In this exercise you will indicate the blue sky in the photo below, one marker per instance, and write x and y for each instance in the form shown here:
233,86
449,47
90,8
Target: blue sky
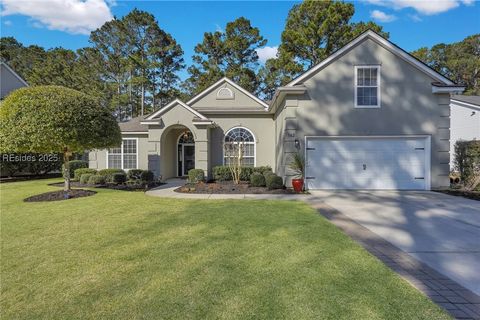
52,23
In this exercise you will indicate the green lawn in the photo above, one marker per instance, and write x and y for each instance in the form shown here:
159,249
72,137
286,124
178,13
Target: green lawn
121,255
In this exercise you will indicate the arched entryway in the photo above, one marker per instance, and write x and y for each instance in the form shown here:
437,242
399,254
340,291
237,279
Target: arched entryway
185,153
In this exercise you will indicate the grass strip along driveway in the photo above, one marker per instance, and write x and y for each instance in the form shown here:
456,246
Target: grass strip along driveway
124,255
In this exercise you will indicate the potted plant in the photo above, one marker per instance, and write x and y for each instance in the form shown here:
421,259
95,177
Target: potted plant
298,166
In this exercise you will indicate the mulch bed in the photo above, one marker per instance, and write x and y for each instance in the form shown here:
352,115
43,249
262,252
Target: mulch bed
123,187
229,187
474,195
59,195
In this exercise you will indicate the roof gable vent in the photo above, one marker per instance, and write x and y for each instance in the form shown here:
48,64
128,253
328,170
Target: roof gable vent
225,94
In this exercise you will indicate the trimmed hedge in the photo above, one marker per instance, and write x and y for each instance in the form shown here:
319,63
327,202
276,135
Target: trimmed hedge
119,178
74,165
85,177
134,174
108,173
196,175
273,181
222,173
257,180
97,179
79,172
147,176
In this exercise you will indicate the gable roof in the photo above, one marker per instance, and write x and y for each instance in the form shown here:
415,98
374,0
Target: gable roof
233,84
390,46
133,125
14,73
171,105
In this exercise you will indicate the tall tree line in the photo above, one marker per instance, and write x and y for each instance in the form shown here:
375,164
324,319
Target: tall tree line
459,61
132,65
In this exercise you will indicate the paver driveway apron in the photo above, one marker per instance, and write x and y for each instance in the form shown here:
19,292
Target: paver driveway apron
440,230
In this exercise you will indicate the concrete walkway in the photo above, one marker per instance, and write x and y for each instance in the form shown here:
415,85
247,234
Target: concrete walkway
167,191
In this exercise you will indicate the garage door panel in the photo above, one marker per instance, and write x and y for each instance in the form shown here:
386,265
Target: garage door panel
346,163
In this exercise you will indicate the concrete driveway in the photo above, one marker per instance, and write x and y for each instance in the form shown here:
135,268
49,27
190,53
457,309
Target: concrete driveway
440,230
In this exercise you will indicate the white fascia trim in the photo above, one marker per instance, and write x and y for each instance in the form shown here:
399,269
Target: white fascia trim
379,39
233,84
458,103
436,89
202,122
134,132
173,103
15,74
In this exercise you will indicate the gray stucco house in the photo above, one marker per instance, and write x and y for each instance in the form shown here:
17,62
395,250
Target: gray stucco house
370,116
9,80
464,120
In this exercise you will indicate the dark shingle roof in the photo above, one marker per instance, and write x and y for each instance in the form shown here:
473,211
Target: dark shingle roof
468,99
133,125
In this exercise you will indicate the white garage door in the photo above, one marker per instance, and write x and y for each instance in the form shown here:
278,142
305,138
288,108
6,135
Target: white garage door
367,163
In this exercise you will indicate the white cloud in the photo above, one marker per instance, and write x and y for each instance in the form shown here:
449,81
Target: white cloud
427,7
8,23
382,16
266,53
415,17
218,28
73,16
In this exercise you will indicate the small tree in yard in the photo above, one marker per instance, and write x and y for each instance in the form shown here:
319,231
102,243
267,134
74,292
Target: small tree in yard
234,152
55,119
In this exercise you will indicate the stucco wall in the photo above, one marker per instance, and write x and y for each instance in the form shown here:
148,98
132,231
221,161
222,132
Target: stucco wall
162,143
97,159
465,125
262,127
408,107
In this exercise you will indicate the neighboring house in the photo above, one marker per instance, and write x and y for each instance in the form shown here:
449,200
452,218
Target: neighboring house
9,80
370,116
464,120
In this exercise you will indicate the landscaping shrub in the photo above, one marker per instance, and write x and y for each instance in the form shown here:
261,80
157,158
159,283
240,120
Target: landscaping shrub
85,177
134,174
263,169
146,176
467,162
119,178
222,173
273,181
257,180
97,179
108,173
79,172
74,165
196,175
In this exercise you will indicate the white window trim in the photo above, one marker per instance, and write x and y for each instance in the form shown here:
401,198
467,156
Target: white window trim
379,73
183,153
122,153
254,145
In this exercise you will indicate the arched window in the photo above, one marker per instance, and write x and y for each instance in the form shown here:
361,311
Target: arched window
239,140
186,137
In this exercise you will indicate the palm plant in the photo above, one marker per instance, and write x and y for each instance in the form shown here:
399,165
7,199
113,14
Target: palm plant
297,165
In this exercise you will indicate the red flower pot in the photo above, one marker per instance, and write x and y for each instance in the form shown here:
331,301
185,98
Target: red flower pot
297,185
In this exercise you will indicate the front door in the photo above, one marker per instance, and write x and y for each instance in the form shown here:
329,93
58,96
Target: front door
188,158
